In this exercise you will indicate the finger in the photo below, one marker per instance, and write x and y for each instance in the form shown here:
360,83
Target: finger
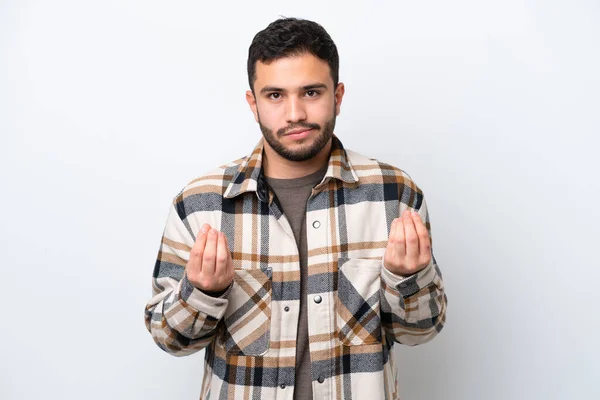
210,253
423,233
411,238
222,258
390,251
393,228
399,242
197,252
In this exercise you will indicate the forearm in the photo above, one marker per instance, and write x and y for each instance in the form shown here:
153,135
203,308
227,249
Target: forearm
413,308
181,319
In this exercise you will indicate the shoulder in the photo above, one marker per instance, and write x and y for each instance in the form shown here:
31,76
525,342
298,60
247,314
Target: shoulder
210,184
372,170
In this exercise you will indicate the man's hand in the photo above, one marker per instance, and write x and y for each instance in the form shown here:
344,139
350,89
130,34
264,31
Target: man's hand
408,250
210,267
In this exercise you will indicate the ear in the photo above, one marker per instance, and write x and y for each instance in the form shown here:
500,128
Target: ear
339,94
252,103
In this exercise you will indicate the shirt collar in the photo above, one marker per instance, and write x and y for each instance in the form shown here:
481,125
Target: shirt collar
249,176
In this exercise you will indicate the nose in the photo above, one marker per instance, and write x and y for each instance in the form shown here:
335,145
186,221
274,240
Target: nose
295,111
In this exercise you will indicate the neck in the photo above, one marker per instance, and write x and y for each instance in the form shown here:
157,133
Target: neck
275,166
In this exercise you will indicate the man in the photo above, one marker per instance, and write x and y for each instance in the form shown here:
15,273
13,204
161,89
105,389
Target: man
298,266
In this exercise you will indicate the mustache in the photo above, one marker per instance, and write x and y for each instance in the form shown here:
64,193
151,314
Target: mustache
307,125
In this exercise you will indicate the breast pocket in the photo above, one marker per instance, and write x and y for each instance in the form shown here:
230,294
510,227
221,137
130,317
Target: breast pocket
357,303
247,319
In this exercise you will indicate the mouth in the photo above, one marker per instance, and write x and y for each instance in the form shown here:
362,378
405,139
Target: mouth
298,133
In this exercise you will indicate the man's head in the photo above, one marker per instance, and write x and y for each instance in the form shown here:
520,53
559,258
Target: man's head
293,74
288,37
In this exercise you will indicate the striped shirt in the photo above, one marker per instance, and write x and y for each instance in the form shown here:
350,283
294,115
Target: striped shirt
357,309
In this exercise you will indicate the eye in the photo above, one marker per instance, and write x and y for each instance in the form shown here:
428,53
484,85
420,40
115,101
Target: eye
274,96
312,93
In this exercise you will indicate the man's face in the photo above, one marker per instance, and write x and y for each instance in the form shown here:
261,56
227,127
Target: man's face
295,104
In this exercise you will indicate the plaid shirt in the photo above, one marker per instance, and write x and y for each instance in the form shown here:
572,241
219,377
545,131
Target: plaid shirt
356,308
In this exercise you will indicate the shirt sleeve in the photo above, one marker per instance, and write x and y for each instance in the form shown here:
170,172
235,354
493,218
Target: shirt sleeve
413,308
181,318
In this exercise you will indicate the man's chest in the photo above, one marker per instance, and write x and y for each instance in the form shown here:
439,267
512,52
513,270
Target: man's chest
340,223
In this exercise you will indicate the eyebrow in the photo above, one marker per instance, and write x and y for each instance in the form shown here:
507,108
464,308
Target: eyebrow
303,88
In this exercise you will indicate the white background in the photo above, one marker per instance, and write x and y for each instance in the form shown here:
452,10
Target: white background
107,108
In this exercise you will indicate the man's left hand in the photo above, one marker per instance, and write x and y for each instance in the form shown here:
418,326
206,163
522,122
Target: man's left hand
409,249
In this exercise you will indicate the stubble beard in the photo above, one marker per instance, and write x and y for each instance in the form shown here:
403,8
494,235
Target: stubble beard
305,152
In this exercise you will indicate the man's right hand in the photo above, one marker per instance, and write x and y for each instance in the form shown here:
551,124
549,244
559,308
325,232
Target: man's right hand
210,267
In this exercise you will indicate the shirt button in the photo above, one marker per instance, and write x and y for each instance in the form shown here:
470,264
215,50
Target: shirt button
287,309
317,299
321,379
316,224
282,386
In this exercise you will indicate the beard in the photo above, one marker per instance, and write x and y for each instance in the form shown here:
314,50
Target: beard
305,152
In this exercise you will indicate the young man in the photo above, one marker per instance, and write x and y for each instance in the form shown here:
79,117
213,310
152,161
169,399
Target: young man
298,266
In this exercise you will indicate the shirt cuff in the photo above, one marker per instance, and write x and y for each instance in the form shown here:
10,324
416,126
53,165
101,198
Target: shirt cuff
202,302
410,284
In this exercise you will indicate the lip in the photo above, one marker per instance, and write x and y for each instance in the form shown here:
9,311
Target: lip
299,133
